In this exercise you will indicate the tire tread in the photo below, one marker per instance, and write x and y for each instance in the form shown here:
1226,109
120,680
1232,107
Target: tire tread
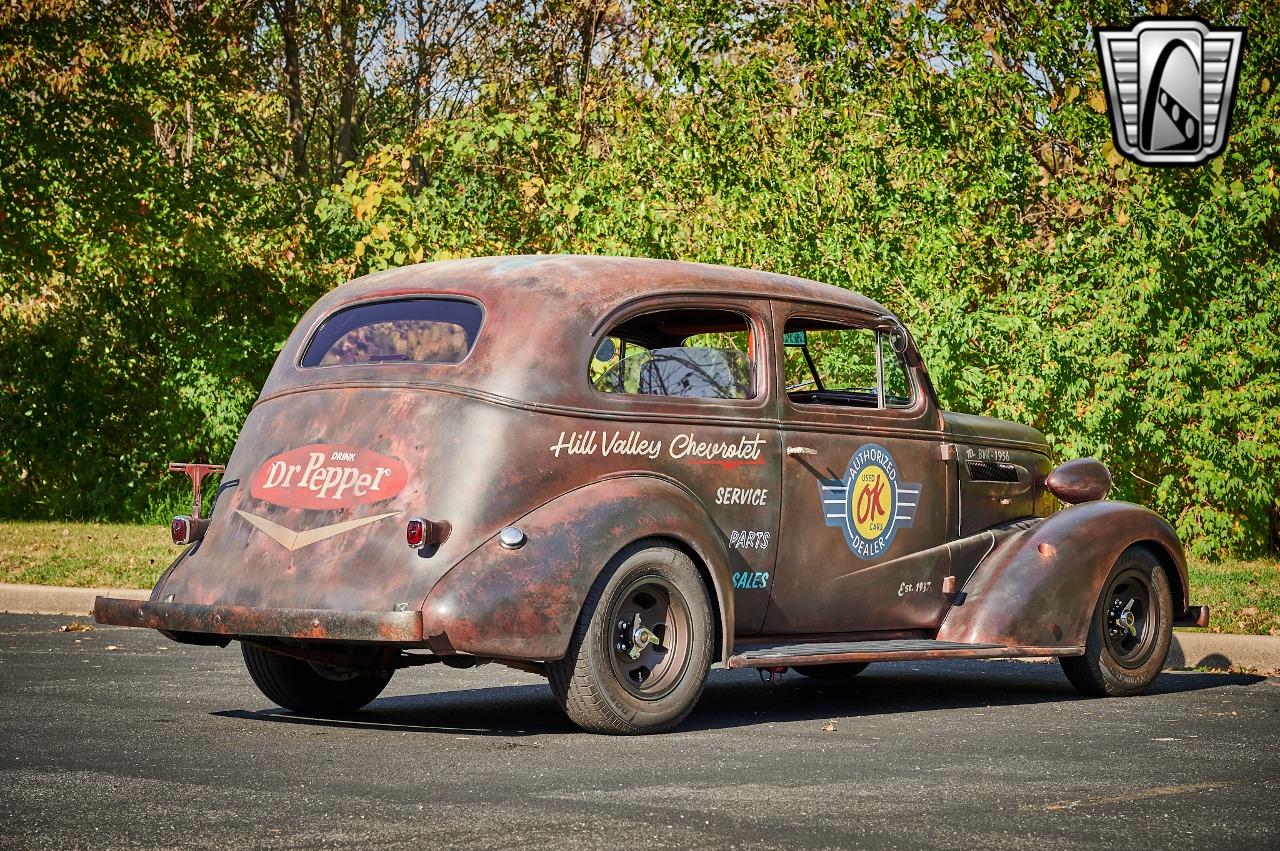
294,685
572,680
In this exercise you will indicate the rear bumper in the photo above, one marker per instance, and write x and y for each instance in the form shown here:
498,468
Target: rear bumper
1194,616
236,621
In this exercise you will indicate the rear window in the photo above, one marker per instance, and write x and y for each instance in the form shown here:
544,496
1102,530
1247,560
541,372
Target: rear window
420,330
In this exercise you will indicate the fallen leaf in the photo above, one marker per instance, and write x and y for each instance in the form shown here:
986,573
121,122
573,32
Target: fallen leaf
112,647
829,727
1251,610
75,626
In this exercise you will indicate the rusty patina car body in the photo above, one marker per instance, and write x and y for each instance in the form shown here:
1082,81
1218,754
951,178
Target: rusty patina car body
304,553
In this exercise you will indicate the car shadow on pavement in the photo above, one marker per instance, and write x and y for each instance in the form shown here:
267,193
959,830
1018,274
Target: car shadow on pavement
739,699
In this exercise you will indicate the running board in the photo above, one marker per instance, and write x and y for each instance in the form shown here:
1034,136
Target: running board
898,650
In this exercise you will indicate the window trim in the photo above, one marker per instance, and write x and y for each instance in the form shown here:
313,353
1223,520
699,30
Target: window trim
873,324
755,327
324,320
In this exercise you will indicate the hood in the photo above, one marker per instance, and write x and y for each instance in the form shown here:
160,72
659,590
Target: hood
973,428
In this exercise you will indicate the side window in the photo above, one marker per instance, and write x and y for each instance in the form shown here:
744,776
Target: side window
829,363
692,353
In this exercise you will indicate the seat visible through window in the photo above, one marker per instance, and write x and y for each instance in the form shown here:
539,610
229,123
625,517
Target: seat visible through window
692,353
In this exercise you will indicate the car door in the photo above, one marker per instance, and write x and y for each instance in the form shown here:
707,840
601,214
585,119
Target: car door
865,488
670,404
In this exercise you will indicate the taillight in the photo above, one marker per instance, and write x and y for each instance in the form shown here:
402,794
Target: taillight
187,530
419,533
180,530
416,533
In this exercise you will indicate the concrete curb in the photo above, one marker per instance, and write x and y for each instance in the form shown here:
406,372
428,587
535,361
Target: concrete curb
1219,650
1189,649
50,600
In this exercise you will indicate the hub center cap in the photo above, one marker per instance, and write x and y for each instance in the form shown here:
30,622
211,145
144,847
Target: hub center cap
635,637
1124,620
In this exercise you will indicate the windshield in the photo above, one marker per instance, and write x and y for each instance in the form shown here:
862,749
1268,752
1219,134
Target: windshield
421,330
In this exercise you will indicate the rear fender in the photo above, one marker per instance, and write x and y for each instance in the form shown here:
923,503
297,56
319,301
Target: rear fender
1038,587
524,603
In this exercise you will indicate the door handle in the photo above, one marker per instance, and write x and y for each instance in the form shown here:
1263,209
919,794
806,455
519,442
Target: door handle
801,450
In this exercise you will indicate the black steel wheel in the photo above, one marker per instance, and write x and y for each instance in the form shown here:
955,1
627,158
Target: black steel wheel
310,688
832,671
1130,632
641,651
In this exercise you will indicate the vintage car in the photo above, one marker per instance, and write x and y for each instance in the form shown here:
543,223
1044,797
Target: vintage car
616,472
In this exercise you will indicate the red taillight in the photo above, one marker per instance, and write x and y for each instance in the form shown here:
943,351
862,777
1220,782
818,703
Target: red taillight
187,530
421,533
180,530
416,533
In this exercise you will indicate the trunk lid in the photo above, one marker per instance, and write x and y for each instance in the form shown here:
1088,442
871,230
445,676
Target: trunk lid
313,505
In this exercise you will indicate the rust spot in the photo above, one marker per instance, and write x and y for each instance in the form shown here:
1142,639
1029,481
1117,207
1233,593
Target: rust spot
1047,550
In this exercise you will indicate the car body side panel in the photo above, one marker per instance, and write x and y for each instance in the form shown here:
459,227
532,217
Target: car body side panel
1038,586
524,603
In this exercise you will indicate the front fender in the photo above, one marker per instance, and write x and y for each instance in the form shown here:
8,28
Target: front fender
524,603
1037,589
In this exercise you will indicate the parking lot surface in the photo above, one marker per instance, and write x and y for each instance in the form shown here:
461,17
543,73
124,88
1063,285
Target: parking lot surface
117,738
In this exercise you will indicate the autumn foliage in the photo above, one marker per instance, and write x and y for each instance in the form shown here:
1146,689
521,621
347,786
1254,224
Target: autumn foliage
178,182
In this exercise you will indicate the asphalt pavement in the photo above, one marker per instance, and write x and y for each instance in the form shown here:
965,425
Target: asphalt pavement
155,744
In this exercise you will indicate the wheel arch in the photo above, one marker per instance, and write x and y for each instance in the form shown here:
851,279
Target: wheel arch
1178,584
524,603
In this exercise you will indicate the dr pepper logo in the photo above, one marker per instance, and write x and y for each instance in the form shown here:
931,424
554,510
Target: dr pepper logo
325,475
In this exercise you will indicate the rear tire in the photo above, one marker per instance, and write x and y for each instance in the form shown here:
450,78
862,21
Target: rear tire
1130,631
833,671
309,688
642,648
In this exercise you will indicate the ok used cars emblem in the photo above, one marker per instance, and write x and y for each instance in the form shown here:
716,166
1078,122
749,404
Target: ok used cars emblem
869,504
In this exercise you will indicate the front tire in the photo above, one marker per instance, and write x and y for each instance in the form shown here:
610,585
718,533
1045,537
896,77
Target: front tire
309,688
1130,632
642,648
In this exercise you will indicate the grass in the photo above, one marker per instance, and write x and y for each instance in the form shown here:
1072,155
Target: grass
1243,596
84,555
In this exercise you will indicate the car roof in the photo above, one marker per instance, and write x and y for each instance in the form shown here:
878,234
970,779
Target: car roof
601,282
534,304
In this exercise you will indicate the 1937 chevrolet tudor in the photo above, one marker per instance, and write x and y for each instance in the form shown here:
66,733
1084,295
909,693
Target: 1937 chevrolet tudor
617,472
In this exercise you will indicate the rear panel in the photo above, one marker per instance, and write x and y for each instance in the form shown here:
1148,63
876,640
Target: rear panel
324,482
